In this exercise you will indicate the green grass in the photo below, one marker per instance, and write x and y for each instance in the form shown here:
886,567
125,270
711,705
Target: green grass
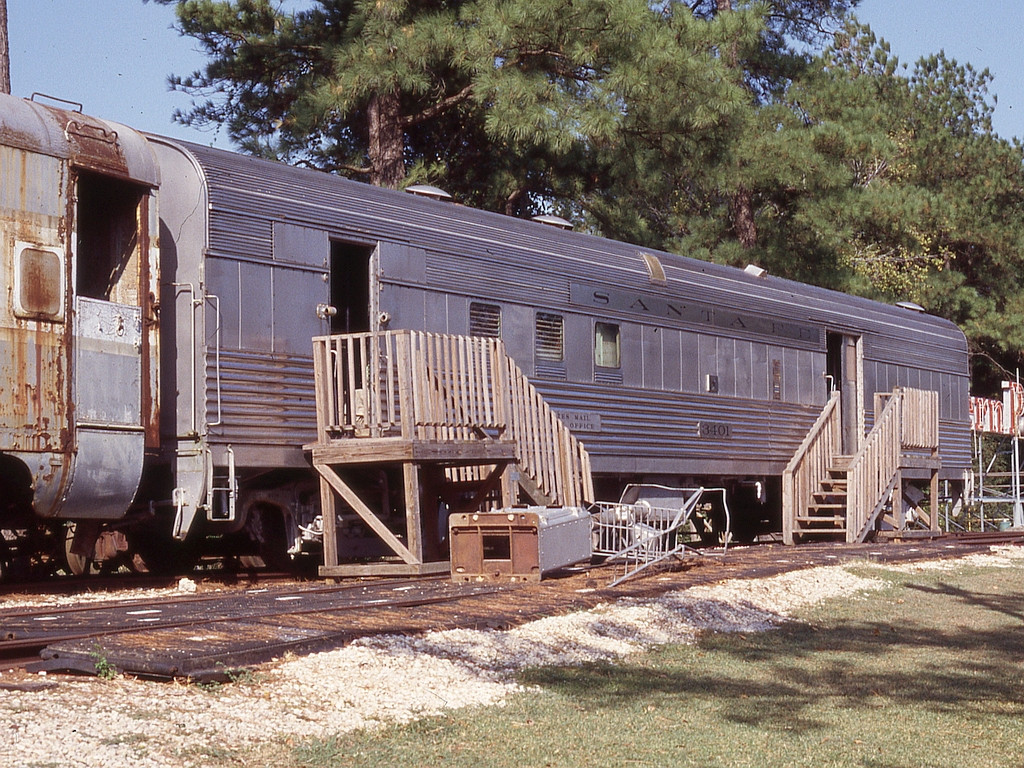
928,672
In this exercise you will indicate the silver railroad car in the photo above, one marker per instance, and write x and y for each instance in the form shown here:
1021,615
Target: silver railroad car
161,299
671,370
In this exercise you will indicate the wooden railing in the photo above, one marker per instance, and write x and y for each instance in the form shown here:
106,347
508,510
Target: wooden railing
907,422
809,466
548,453
441,387
407,384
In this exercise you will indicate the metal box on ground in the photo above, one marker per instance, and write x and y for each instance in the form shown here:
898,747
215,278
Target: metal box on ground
517,543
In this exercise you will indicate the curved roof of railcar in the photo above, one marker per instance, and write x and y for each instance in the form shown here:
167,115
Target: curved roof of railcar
254,188
87,142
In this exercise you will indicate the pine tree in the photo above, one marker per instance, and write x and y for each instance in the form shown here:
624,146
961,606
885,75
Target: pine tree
511,104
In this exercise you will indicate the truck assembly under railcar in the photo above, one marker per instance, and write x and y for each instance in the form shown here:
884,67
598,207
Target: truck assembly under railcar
156,377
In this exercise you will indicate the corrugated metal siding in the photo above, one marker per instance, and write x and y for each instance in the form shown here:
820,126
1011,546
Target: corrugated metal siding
646,428
263,400
472,254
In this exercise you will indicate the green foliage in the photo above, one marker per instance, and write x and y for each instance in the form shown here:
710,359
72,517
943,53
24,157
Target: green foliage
104,669
718,129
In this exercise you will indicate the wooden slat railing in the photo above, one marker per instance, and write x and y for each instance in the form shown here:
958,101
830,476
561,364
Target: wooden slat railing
874,468
441,387
809,466
920,420
547,451
908,422
407,384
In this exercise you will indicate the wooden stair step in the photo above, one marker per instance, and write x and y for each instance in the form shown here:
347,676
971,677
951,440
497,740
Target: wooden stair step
820,518
827,505
819,531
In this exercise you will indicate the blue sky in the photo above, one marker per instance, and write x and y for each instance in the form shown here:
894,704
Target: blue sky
114,56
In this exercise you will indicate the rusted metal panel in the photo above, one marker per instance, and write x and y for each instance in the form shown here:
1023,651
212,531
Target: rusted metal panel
34,386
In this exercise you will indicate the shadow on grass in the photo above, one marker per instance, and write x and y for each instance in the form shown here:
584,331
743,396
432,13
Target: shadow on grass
798,671
1011,605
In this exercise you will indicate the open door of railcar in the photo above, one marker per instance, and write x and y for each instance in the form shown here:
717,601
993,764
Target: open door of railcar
352,298
843,375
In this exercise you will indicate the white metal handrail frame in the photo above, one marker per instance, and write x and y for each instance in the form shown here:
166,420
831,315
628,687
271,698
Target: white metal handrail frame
639,535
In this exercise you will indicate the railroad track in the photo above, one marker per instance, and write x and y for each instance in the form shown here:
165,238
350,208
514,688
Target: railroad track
204,635
26,632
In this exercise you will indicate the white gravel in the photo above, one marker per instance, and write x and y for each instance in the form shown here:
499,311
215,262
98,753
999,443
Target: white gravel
71,721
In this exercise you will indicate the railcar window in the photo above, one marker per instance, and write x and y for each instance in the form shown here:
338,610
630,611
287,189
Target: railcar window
484,320
550,337
606,345
40,284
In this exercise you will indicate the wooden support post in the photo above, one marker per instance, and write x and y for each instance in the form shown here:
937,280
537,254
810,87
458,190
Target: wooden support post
327,509
413,513
789,507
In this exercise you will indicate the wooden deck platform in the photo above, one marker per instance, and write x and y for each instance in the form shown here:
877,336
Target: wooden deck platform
453,414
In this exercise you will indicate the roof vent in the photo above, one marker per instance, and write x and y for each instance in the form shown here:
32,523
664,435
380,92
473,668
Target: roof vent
755,271
552,221
910,305
655,272
425,190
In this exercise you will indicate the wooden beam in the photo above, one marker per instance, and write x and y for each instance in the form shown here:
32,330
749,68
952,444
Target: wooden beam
327,510
413,516
394,450
385,569
366,513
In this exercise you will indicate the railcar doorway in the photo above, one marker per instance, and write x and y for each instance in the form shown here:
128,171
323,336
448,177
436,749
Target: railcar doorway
110,344
351,294
843,375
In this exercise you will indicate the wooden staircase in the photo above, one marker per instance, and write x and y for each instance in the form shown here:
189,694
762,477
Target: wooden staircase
830,496
456,416
825,516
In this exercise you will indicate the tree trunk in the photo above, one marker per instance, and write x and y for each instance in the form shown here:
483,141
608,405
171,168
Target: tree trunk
5,51
742,209
741,204
387,141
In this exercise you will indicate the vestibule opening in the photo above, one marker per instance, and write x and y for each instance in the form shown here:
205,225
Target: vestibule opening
350,287
108,243
842,374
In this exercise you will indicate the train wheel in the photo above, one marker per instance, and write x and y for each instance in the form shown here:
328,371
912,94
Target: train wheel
78,565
